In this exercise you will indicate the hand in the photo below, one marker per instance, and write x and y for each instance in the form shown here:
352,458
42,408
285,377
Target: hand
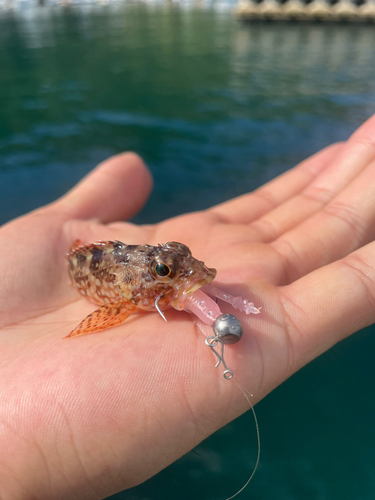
93,415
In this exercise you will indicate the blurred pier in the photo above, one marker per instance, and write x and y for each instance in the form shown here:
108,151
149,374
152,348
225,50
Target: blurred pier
298,10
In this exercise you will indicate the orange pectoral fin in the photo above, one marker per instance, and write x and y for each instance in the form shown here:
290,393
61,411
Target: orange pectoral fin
104,317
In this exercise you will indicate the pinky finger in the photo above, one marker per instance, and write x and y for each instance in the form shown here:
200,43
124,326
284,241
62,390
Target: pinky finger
330,304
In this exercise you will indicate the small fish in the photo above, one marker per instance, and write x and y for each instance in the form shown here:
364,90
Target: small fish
126,279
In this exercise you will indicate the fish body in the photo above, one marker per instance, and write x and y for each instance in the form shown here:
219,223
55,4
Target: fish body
125,279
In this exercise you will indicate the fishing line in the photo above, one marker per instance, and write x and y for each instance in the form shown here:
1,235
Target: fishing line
258,441
209,342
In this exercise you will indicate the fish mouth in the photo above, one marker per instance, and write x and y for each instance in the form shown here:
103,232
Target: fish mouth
179,302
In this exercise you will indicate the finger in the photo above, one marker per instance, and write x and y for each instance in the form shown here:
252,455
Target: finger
330,304
344,224
249,207
348,162
117,189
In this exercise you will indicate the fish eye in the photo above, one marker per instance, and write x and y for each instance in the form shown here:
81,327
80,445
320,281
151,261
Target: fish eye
165,267
162,270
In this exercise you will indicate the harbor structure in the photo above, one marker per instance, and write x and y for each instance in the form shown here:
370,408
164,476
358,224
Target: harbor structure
304,11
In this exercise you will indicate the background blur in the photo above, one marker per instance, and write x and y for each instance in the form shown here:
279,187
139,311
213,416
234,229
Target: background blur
215,108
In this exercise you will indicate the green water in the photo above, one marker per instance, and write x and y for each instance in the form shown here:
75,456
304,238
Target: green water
216,109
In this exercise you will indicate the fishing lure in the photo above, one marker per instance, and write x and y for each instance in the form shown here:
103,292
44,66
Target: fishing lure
126,279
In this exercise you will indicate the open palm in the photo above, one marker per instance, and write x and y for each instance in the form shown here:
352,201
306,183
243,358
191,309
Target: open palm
89,416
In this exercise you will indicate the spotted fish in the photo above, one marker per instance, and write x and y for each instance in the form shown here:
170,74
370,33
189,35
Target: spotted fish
126,279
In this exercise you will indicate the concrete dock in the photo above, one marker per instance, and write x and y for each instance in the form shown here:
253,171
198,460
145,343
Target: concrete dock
298,10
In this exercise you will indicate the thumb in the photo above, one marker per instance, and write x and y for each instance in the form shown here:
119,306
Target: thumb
115,190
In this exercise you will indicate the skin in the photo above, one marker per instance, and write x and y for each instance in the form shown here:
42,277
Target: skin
83,418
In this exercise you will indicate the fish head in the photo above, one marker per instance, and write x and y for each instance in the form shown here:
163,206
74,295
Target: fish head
174,265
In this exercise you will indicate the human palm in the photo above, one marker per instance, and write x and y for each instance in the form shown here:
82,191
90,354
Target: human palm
88,416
